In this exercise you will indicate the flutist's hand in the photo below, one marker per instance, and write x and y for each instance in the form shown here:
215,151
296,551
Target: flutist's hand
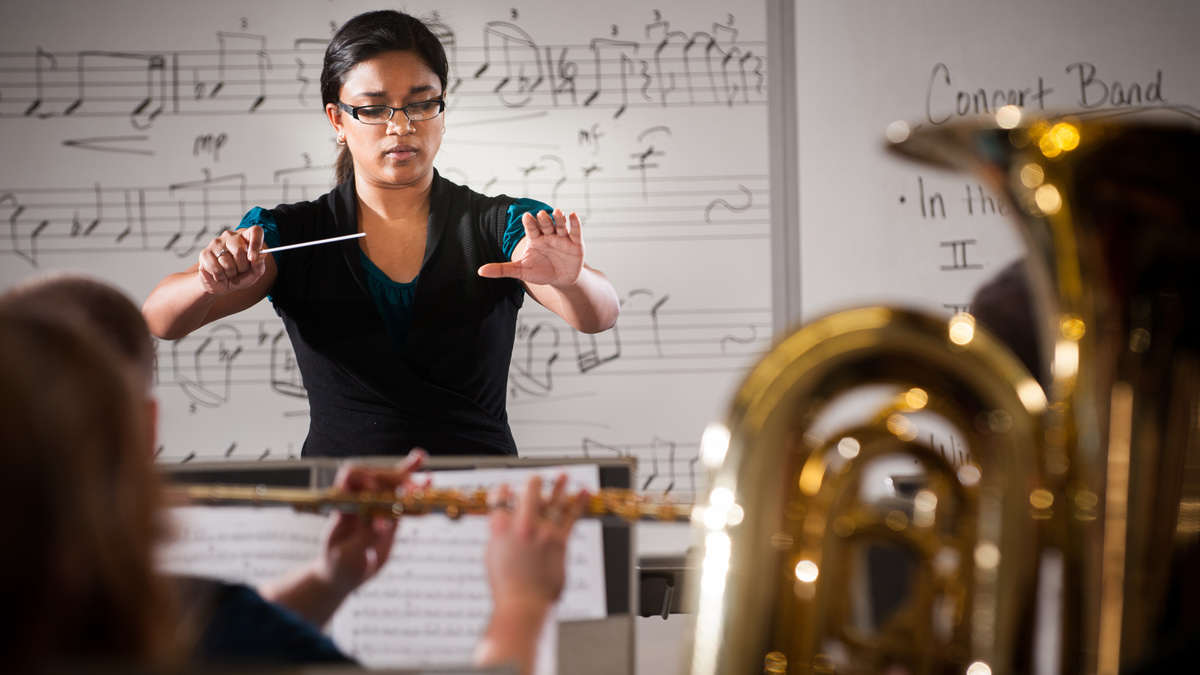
353,548
526,564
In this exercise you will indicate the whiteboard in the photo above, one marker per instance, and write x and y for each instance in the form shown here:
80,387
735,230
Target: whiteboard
136,130
876,229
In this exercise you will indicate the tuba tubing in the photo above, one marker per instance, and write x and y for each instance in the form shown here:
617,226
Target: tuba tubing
786,517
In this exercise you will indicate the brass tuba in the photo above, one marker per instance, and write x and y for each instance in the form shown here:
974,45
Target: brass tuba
1061,536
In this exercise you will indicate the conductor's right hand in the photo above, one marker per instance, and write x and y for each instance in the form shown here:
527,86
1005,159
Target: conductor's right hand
232,261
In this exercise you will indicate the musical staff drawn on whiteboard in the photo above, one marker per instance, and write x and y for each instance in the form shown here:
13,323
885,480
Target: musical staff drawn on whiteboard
179,218
511,70
151,143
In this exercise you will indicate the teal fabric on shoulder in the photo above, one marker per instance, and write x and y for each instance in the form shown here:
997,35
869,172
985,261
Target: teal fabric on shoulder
266,220
516,230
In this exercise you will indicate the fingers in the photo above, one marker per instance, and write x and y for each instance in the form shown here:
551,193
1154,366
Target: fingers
498,501
551,224
255,242
533,229
404,469
232,254
529,508
563,510
574,228
498,270
355,478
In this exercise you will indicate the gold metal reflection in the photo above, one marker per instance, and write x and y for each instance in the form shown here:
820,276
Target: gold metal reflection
1032,175
916,398
807,571
1072,327
962,329
1048,199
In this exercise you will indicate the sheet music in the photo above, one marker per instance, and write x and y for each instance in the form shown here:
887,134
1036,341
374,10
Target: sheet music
429,603
144,136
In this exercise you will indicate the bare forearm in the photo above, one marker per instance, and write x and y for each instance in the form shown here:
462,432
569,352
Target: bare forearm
590,305
177,306
512,636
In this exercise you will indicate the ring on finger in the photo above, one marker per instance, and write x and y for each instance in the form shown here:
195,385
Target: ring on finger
223,252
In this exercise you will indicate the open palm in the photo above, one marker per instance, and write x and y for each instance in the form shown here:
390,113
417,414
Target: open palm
550,254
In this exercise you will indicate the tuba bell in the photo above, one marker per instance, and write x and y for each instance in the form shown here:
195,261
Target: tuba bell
1058,531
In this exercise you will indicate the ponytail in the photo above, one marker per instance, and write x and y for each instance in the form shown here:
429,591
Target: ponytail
343,167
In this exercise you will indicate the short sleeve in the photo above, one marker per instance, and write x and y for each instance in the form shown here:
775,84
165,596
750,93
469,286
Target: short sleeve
246,630
266,220
515,230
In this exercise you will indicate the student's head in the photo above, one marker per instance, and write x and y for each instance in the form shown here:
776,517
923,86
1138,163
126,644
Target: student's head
99,310
102,309
366,38
81,504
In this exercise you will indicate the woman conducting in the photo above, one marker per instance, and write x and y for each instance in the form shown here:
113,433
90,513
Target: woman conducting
404,336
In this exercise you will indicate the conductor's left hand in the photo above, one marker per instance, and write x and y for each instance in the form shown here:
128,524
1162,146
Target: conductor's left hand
550,254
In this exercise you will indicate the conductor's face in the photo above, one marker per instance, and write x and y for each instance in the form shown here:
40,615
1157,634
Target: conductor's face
398,152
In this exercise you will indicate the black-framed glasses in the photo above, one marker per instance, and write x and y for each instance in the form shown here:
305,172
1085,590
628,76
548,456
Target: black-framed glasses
382,114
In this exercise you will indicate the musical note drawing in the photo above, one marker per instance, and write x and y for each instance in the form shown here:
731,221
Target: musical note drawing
722,203
110,144
307,71
740,340
449,39
597,349
135,217
733,56
642,156
656,446
511,69
85,226
591,445
306,190
622,49
39,57
15,210
534,353
285,371
654,331
202,364
540,165
519,58
229,62
670,61
195,228
105,73
28,251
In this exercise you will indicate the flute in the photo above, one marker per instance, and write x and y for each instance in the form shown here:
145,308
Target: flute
624,504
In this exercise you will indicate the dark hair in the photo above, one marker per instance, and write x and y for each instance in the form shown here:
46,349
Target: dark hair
80,587
366,36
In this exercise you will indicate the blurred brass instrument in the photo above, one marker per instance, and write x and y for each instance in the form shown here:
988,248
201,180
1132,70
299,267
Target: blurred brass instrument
624,504
1061,537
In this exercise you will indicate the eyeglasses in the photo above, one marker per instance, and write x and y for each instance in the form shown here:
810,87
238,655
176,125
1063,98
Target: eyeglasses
382,114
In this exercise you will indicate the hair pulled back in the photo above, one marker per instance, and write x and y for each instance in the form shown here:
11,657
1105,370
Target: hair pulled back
366,36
